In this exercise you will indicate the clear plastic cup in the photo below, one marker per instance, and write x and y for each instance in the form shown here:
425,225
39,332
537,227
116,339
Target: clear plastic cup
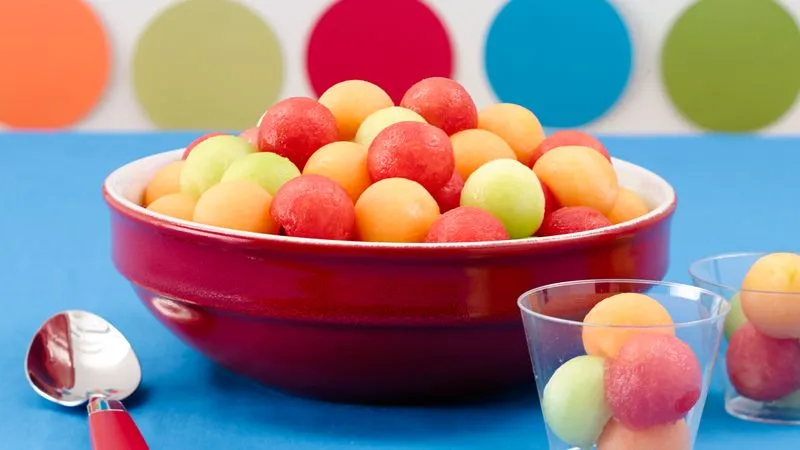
759,379
639,386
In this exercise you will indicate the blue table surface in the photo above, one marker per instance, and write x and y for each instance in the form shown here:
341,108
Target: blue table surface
736,193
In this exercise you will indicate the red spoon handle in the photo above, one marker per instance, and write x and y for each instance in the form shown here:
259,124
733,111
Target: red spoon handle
112,428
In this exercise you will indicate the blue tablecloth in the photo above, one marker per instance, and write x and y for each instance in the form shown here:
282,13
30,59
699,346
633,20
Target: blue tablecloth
736,193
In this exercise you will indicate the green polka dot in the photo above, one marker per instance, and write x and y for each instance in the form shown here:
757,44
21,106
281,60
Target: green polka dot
733,65
207,64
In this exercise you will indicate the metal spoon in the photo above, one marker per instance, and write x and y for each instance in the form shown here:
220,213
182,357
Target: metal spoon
78,356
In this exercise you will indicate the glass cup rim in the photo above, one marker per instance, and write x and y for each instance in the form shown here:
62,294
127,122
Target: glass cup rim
718,314
693,268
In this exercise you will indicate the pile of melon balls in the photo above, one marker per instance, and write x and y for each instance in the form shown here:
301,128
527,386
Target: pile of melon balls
634,386
352,165
763,332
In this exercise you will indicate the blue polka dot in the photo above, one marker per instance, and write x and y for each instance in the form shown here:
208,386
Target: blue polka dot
568,61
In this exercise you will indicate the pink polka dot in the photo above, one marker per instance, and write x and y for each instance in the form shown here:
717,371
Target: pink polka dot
393,44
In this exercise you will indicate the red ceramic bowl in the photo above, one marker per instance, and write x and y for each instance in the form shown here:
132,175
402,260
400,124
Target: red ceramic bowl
364,322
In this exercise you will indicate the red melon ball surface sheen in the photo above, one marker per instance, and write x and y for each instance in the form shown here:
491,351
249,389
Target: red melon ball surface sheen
655,380
760,367
314,206
466,224
197,141
449,196
412,150
568,138
550,201
295,128
443,103
572,219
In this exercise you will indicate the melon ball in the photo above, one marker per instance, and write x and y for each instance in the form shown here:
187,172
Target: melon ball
550,201
167,180
775,310
509,191
760,367
655,379
790,401
573,402
395,210
295,128
516,125
209,161
474,148
735,318
626,309
269,170
673,436
351,102
314,206
239,205
194,143
444,103
250,135
412,150
382,118
449,196
572,219
579,176
466,224
628,206
177,205
343,162
564,138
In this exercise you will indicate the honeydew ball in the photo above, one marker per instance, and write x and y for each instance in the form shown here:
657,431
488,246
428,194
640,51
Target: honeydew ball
209,161
269,170
382,118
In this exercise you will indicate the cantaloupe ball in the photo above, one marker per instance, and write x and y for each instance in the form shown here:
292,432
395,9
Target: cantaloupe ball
622,310
351,102
775,310
579,176
675,436
629,206
177,205
239,205
518,126
343,162
395,210
474,148
167,180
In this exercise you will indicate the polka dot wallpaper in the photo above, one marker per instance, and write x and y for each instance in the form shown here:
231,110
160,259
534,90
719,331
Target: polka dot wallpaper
618,66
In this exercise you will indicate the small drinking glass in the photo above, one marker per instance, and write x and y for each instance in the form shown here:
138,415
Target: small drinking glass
754,391
609,380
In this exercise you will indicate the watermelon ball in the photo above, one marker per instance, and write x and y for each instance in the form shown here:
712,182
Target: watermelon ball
314,206
443,103
673,436
573,401
449,196
510,191
655,380
250,135
412,150
572,219
269,170
195,142
466,224
735,318
564,138
295,128
550,201
209,160
381,119
395,210
760,367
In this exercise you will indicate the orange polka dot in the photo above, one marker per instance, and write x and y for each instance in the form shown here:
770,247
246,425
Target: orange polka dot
55,60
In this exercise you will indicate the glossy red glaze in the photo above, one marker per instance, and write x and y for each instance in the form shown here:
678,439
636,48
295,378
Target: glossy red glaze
362,322
114,429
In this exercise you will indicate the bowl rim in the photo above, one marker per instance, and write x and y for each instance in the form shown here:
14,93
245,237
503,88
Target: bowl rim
694,265
117,201
719,313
